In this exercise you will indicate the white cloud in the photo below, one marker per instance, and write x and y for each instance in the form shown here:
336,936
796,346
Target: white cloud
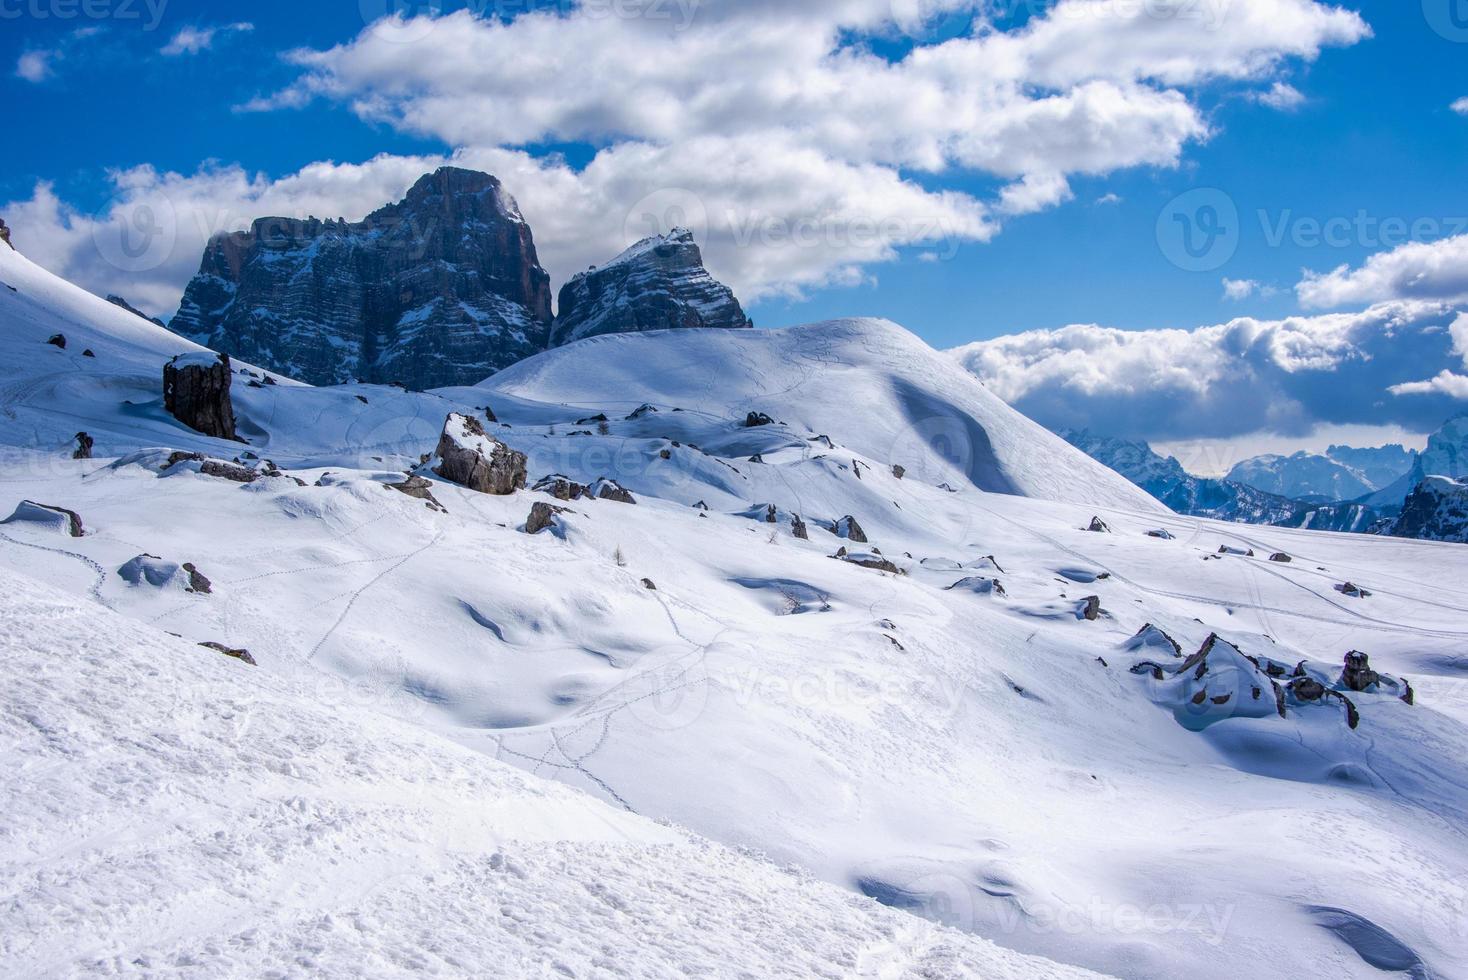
1461,106
36,66
1111,198
1239,289
1445,383
1418,270
1282,96
192,40
802,147
1286,376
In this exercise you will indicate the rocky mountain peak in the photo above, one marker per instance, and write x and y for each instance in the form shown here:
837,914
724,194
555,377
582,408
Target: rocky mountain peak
441,288
659,283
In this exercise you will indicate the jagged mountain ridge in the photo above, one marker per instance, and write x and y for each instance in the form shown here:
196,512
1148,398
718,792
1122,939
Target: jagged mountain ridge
659,283
440,289
1324,476
1226,499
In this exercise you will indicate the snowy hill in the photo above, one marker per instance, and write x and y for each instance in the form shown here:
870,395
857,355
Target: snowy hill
173,812
1031,704
868,384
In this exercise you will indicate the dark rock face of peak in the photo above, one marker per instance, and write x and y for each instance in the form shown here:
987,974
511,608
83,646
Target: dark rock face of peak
1436,510
5,233
121,303
658,284
441,288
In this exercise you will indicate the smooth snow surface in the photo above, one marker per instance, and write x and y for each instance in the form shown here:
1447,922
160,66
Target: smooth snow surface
991,762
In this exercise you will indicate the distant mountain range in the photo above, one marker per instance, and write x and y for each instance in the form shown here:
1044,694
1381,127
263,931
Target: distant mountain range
442,288
1225,499
1388,490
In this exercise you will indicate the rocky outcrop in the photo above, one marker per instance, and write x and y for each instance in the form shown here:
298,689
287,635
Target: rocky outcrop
58,341
605,489
5,234
1436,510
419,489
123,304
848,528
658,284
442,288
471,457
57,519
562,487
1098,526
542,517
1358,675
241,655
196,392
84,444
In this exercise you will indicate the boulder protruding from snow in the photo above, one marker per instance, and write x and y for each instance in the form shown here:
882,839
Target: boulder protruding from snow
1353,590
155,572
57,519
1281,558
1090,609
241,655
542,517
1358,675
1099,526
1161,534
196,392
1151,637
58,341
606,489
798,528
471,457
849,529
84,444
978,585
756,419
561,487
868,560
419,489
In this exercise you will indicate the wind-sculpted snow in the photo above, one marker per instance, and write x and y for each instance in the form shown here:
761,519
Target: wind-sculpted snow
995,762
868,384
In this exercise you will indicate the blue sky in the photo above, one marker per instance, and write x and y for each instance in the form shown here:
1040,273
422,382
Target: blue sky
1319,121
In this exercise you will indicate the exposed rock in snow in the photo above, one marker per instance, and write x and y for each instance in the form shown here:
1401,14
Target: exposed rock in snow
978,585
798,529
442,288
1353,590
658,284
1153,638
84,444
1436,510
1224,549
605,489
420,489
58,340
123,304
57,519
848,528
1090,609
1098,526
756,419
542,517
152,571
1281,558
237,654
471,457
561,487
196,392
5,234
868,560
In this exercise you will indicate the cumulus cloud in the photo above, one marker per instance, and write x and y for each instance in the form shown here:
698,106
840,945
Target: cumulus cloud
192,40
1286,376
1461,106
1418,270
1282,96
807,155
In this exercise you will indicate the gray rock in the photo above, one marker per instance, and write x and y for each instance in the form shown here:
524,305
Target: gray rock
242,655
198,582
196,392
84,444
542,517
419,489
472,458
756,419
849,529
1358,675
658,284
442,288
612,490
1090,609
5,234
1099,526
562,488
798,529
58,518
1281,558
899,471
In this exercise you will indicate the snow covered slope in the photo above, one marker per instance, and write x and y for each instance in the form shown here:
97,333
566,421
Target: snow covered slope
173,812
988,737
869,384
